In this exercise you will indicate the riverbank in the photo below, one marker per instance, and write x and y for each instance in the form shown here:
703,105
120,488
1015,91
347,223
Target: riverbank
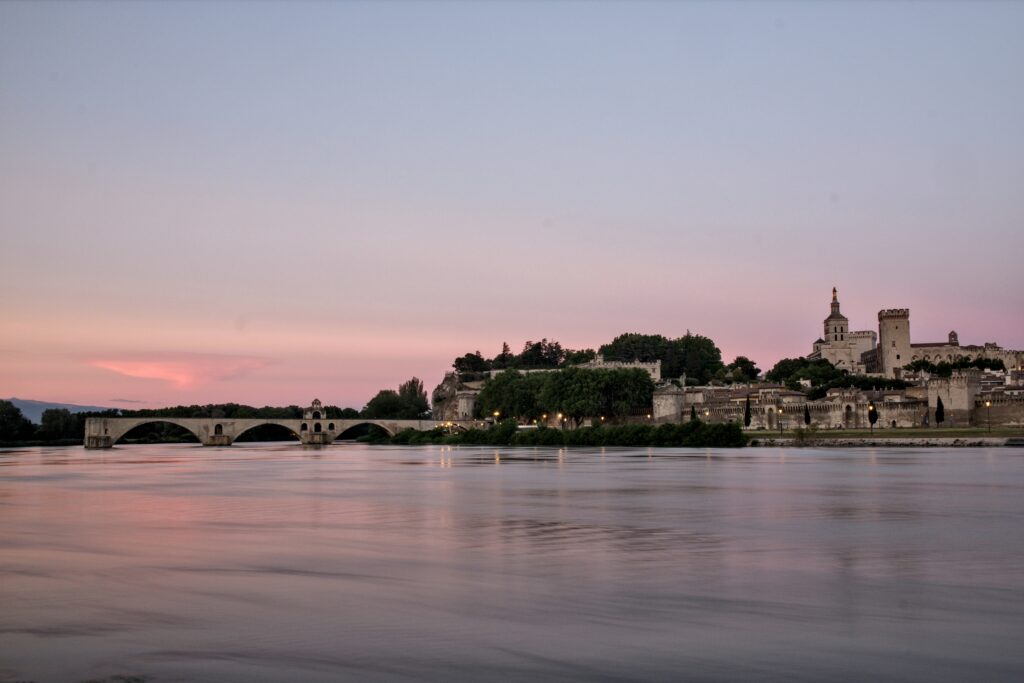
961,438
694,434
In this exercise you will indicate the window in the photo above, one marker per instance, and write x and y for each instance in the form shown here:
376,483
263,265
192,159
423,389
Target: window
897,356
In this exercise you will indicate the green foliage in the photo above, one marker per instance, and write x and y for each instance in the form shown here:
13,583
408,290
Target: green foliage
689,435
415,397
408,403
790,371
575,392
746,412
742,370
940,412
512,394
59,423
693,354
856,381
807,415
542,354
471,363
13,425
693,413
945,368
535,355
505,359
579,357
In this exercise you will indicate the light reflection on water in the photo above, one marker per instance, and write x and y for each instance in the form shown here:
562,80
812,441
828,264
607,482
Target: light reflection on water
274,562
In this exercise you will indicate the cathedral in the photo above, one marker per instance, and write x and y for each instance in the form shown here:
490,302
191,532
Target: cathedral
850,351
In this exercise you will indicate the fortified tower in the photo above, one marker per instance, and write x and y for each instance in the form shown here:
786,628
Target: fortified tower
836,324
893,340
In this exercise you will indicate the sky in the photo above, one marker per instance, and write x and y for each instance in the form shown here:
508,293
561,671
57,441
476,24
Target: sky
269,202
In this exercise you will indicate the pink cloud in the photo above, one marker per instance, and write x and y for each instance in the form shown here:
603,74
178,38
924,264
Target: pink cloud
181,370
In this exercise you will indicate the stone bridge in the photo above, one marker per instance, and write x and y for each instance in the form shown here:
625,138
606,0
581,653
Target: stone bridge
104,432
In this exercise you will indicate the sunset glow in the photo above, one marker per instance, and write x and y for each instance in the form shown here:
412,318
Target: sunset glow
358,202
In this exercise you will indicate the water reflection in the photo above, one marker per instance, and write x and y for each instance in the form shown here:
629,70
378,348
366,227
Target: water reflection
271,562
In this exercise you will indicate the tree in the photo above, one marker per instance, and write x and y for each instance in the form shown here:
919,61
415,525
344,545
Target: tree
542,354
574,392
505,359
58,423
693,354
471,363
746,412
940,412
414,396
743,369
807,415
386,404
579,357
13,425
693,413
872,415
408,403
511,394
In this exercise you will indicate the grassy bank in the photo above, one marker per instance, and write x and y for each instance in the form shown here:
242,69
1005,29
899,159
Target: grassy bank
690,434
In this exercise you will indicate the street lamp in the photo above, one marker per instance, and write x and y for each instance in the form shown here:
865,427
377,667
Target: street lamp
988,407
780,421
872,417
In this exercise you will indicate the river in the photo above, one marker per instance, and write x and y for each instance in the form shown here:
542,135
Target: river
275,562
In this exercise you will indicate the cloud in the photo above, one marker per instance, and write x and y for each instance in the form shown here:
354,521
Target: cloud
182,370
124,400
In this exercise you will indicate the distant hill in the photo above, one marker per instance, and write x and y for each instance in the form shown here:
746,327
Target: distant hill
33,410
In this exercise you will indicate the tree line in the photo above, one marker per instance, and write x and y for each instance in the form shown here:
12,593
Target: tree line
693,355
946,368
574,392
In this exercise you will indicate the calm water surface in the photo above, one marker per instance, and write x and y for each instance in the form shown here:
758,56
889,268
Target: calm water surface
278,563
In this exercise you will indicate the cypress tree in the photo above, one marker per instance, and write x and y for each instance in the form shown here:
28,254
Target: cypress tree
940,412
807,415
746,413
693,413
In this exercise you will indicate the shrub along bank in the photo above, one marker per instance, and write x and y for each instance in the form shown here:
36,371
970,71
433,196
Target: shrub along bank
695,434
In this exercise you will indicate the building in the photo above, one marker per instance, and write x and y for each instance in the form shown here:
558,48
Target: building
863,352
896,350
839,346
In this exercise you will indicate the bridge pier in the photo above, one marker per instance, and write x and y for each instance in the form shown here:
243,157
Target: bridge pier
98,441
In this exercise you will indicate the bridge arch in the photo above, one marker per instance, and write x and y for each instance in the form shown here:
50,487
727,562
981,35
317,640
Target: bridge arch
122,430
347,425
274,423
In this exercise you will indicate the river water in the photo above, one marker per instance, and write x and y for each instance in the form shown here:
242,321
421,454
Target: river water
280,563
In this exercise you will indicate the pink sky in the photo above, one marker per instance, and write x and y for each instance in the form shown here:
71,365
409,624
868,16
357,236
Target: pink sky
279,209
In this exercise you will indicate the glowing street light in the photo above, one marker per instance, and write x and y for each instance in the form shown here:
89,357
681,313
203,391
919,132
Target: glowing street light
780,421
988,407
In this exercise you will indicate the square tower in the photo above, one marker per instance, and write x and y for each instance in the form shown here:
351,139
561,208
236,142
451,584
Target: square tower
893,340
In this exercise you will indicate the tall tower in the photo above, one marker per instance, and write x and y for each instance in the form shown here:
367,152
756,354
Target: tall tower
836,324
893,340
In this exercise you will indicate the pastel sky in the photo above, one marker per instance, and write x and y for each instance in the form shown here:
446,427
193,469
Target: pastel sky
267,202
